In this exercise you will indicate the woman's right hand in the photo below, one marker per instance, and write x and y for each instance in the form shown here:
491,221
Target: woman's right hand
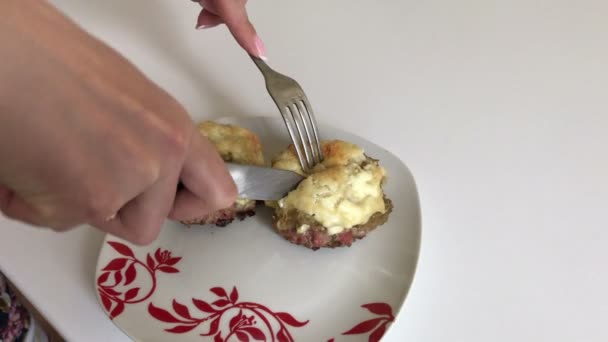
86,138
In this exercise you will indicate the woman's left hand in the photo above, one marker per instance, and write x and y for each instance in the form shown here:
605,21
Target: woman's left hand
234,15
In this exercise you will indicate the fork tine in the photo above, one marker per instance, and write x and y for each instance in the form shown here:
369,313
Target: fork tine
315,130
307,123
286,113
296,115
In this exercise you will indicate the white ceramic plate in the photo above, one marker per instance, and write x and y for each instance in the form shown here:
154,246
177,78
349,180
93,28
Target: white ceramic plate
245,283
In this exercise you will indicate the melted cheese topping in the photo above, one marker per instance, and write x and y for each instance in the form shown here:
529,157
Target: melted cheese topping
242,203
343,191
235,144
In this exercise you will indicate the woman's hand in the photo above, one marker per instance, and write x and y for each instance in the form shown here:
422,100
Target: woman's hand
86,138
233,14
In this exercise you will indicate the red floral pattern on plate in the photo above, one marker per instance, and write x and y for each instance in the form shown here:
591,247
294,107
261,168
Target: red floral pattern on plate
379,323
116,285
248,321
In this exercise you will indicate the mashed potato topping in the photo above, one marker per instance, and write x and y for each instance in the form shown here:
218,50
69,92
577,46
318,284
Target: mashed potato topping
235,144
343,191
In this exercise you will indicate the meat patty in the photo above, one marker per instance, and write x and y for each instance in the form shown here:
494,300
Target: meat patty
223,217
316,236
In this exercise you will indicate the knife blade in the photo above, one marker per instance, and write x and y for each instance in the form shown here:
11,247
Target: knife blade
263,183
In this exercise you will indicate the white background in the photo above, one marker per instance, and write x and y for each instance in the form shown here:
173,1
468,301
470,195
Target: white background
498,107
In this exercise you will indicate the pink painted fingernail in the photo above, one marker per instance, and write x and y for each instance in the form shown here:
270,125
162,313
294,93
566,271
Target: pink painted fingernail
260,48
203,26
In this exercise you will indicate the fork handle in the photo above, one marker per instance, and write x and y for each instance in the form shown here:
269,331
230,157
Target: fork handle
264,68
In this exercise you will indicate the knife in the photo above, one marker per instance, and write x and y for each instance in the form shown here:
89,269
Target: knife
263,183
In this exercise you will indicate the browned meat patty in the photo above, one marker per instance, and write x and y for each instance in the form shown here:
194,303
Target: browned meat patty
223,217
317,237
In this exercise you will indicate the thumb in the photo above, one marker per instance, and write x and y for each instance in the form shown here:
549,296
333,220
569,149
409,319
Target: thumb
235,17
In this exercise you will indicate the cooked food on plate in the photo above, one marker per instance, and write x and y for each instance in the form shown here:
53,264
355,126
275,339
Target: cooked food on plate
236,145
340,201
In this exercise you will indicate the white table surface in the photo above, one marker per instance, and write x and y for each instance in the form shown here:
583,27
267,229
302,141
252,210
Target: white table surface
500,109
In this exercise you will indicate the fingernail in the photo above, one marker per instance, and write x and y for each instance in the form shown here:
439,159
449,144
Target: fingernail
203,26
260,48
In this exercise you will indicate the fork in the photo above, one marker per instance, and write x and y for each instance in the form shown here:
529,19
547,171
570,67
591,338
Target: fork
297,114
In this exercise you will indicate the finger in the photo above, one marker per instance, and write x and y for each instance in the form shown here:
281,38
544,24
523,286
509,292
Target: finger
141,219
144,216
51,216
188,206
208,4
235,16
114,226
210,186
207,19
5,196
15,208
